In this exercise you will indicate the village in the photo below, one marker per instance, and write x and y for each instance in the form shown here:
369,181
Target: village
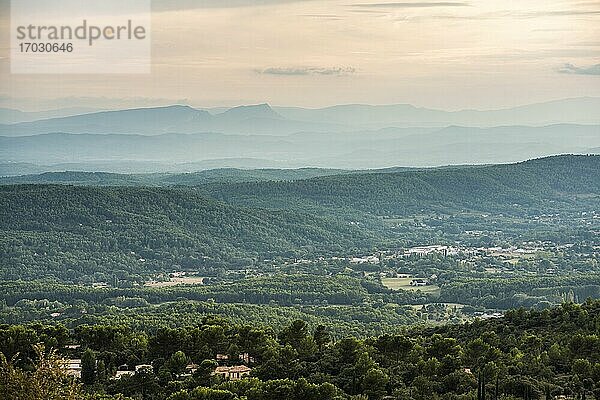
508,257
224,367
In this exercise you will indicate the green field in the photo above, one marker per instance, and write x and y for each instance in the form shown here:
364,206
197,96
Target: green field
404,284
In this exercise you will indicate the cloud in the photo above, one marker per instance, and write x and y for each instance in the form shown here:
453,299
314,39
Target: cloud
572,69
334,17
413,4
299,71
562,13
517,15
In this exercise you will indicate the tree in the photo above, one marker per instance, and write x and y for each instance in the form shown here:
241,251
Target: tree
294,334
178,362
202,393
88,367
204,372
49,380
101,371
321,336
297,336
374,384
481,385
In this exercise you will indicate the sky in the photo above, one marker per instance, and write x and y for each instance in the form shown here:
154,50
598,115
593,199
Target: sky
480,54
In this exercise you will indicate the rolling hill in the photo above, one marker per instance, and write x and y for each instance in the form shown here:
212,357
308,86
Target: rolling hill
72,231
547,183
164,179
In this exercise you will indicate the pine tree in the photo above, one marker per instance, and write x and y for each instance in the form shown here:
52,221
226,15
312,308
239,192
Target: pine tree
101,371
497,385
321,336
88,367
481,385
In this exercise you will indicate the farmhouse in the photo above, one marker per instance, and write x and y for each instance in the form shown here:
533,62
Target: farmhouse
419,282
143,368
492,315
244,357
233,373
124,370
120,374
191,368
74,367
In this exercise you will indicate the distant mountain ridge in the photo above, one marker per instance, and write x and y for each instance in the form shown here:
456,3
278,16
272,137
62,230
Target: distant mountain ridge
256,111
582,110
149,120
180,138
12,116
353,150
256,119
267,120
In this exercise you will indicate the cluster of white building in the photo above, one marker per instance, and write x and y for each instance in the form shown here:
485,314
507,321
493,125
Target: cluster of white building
233,373
435,249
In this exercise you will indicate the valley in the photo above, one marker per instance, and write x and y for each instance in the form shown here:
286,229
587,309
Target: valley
428,246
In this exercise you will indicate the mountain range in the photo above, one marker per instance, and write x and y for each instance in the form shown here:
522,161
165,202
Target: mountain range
256,119
180,138
264,119
355,150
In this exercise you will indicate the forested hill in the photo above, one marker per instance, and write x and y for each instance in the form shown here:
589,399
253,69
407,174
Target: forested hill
74,231
547,183
530,355
222,175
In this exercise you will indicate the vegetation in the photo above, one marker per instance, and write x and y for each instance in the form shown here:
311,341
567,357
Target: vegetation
551,183
309,280
525,354
72,232
108,234
166,179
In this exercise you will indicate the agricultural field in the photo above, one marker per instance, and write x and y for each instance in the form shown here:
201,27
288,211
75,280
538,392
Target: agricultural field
404,284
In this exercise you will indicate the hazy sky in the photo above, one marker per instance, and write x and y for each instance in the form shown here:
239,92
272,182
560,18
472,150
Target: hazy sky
450,54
